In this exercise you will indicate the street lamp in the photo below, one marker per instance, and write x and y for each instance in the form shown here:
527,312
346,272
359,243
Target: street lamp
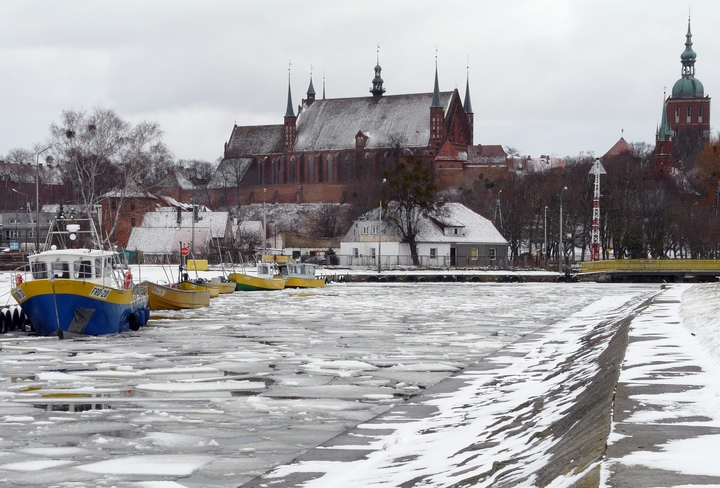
27,204
560,245
380,226
37,197
545,236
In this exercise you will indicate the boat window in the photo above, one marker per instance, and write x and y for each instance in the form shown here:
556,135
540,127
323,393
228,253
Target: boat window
61,269
83,269
263,269
39,270
98,267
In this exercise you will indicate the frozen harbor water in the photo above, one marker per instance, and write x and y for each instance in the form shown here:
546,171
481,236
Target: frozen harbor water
214,397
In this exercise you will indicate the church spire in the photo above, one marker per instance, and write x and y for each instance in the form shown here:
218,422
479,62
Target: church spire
377,89
664,132
436,91
289,112
467,105
688,56
290,120
311,90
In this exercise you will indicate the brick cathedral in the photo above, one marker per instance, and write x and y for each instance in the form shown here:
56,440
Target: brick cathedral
685,123
331,149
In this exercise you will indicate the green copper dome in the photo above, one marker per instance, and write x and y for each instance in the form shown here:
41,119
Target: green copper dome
688,86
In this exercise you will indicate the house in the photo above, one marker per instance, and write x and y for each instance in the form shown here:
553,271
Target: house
455,236
164,232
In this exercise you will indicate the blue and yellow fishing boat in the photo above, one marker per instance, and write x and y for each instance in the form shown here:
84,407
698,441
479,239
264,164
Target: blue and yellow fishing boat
75,288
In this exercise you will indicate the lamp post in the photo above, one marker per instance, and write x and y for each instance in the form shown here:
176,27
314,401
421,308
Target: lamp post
37,197
27,204
264,237
560,242
380,226
545,236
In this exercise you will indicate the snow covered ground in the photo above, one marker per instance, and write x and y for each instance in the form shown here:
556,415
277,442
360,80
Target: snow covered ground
214,397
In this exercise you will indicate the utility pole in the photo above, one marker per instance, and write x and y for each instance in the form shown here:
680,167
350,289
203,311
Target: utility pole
379,227
561,250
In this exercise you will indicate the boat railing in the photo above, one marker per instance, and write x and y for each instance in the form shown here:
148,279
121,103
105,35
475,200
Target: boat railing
65,233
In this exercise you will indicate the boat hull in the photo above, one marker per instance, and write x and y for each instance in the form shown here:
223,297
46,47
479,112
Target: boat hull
161,297
222,288
82,307
245,282
297,282
189,285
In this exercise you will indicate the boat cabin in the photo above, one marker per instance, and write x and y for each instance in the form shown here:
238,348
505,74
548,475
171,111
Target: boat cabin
82,264
301,270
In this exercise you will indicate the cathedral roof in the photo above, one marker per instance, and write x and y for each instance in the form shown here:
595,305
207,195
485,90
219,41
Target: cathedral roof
254,140
333,123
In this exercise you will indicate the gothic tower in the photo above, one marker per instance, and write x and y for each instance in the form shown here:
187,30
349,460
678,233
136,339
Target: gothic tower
663,144
688,110
437,115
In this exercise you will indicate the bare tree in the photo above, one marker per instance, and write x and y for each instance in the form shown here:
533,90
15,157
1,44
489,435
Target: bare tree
87,145
413,195
329,221
201,174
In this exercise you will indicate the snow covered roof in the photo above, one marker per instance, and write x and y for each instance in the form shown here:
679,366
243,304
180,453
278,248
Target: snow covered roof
332,124
256,139
131,190
487,154
543,163
176,179
159,240
476,228
217,222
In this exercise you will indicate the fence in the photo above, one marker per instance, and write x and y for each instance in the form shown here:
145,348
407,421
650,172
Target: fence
426,261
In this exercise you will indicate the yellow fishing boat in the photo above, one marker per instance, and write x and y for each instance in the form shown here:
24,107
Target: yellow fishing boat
161,297
267,278
302,275
198,286
221,286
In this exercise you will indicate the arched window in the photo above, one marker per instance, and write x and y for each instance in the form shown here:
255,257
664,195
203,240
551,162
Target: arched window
677,115
293,169
329,169
367,166
688,114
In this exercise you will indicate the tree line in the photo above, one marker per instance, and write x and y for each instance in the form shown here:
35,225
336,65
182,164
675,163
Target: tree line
644,213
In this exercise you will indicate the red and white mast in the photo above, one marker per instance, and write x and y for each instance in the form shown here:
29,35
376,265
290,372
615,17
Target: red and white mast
596,170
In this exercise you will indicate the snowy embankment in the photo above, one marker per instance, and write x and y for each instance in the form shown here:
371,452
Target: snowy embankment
536,413
666,426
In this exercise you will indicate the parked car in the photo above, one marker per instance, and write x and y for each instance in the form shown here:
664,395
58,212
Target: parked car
321,260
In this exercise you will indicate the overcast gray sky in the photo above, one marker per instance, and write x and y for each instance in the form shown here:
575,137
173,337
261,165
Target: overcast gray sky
546,77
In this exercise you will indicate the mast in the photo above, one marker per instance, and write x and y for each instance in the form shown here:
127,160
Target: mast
596,170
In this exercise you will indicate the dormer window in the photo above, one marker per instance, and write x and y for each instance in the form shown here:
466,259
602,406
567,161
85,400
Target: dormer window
453,231
360,140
